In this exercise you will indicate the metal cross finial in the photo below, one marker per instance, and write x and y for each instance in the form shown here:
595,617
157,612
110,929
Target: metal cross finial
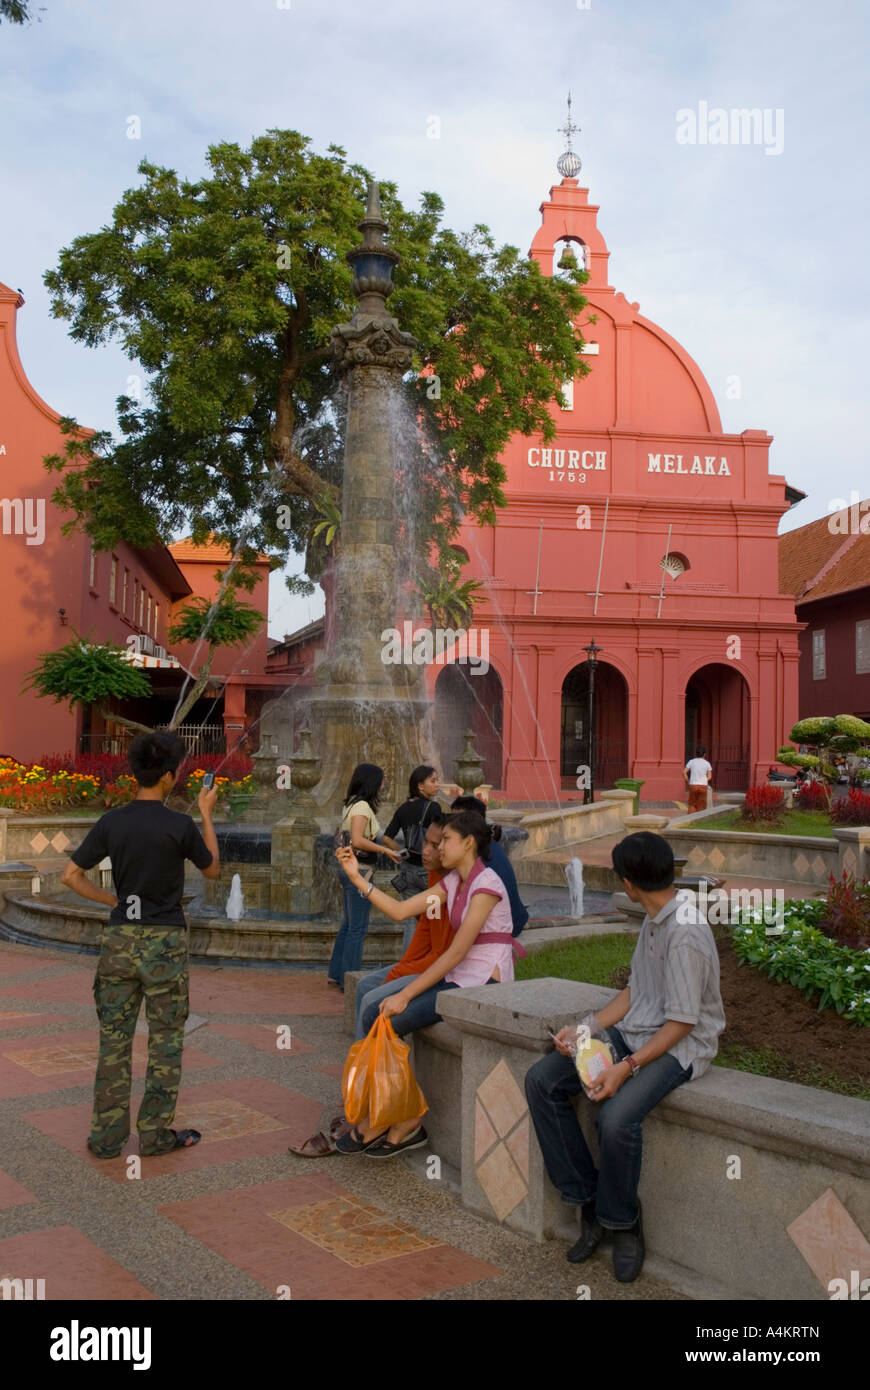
569,127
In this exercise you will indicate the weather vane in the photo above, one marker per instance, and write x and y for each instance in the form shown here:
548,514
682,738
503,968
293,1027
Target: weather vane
568,164
569,127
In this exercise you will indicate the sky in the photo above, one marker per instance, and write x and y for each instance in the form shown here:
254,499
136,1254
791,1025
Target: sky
752,255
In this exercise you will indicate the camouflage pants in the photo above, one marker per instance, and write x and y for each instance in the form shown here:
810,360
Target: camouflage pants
137,961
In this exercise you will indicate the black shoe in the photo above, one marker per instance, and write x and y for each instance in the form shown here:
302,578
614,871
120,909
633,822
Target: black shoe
591,1235
629,1251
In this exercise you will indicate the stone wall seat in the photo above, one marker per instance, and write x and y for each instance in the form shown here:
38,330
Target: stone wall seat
752,1187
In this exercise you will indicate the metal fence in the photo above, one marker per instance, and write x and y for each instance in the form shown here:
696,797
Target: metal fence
198,739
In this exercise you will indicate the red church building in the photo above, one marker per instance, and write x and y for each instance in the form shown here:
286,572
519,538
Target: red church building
642,527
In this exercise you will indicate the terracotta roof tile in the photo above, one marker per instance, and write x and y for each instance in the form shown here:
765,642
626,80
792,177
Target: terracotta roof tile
816,562
212,552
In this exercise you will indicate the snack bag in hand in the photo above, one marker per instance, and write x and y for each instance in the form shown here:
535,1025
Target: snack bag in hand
593,1056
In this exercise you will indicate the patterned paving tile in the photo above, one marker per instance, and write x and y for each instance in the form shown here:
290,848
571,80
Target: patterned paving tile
335,1069
262,1119
266,1037
280,994
30,1065
12,1194
357,1234
71,1265
72,987
243,1226
223,1118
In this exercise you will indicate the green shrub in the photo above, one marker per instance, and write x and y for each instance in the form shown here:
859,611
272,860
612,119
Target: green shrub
804,957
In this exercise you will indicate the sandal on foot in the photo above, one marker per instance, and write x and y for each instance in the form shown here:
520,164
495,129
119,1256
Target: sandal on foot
353,1142
387,1150
318,1146
182,1136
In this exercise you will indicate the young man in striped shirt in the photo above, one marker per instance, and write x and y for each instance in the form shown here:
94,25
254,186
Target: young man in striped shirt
670,1017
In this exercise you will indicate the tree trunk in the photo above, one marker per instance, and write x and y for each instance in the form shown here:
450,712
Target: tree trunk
193,694
111,717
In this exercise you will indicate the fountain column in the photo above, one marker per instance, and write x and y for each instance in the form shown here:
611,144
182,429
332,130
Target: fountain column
370,711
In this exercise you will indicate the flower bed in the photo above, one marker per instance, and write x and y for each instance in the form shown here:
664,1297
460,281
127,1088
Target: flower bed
808,959
68,781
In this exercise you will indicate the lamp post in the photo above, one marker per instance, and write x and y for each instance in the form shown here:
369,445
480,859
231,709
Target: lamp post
592,662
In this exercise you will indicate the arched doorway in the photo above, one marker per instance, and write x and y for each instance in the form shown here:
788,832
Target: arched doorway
718,715
464,701
610,732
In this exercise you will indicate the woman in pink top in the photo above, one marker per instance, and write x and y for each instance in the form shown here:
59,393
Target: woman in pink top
482,950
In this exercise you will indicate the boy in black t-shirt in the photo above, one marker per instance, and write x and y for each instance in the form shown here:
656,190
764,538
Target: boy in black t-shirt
144,946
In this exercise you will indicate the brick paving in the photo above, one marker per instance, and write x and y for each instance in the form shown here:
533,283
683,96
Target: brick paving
237,1216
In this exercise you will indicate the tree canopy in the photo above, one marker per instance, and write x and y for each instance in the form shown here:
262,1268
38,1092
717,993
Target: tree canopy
226,288
18,11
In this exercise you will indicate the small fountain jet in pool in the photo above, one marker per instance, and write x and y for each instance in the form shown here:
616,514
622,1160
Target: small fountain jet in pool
574,875
235,900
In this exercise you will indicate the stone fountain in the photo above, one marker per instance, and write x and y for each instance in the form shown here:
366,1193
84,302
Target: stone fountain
365,710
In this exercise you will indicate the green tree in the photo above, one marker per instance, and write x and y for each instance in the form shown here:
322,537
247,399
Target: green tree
17,11
225,289
88,674
224,622
448,602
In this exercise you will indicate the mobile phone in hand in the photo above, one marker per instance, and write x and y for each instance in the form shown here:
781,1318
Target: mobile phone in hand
208,781
344,839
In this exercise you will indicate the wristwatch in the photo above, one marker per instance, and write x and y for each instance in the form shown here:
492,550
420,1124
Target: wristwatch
633,1066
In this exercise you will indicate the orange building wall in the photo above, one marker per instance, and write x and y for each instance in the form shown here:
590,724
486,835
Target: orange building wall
39,579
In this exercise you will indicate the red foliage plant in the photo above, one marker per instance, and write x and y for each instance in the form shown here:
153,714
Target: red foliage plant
106,767
763,803
811,797
847,913
853,809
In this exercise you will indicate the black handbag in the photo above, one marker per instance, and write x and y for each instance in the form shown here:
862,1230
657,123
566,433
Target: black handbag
415,835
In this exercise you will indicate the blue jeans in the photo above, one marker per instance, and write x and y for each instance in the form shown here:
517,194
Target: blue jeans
551,1083
420,1013
348,949
371,989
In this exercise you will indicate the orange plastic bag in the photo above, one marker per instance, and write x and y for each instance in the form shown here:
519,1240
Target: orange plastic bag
378,1082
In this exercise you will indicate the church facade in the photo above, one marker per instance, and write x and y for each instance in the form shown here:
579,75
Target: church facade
642,530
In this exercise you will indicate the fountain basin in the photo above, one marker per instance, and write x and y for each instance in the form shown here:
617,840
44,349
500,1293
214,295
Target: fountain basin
46,922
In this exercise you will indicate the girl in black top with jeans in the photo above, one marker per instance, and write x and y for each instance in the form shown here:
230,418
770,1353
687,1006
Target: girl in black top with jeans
412,819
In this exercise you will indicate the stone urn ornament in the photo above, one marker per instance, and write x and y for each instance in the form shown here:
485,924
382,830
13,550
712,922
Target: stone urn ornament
305,770
469,768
